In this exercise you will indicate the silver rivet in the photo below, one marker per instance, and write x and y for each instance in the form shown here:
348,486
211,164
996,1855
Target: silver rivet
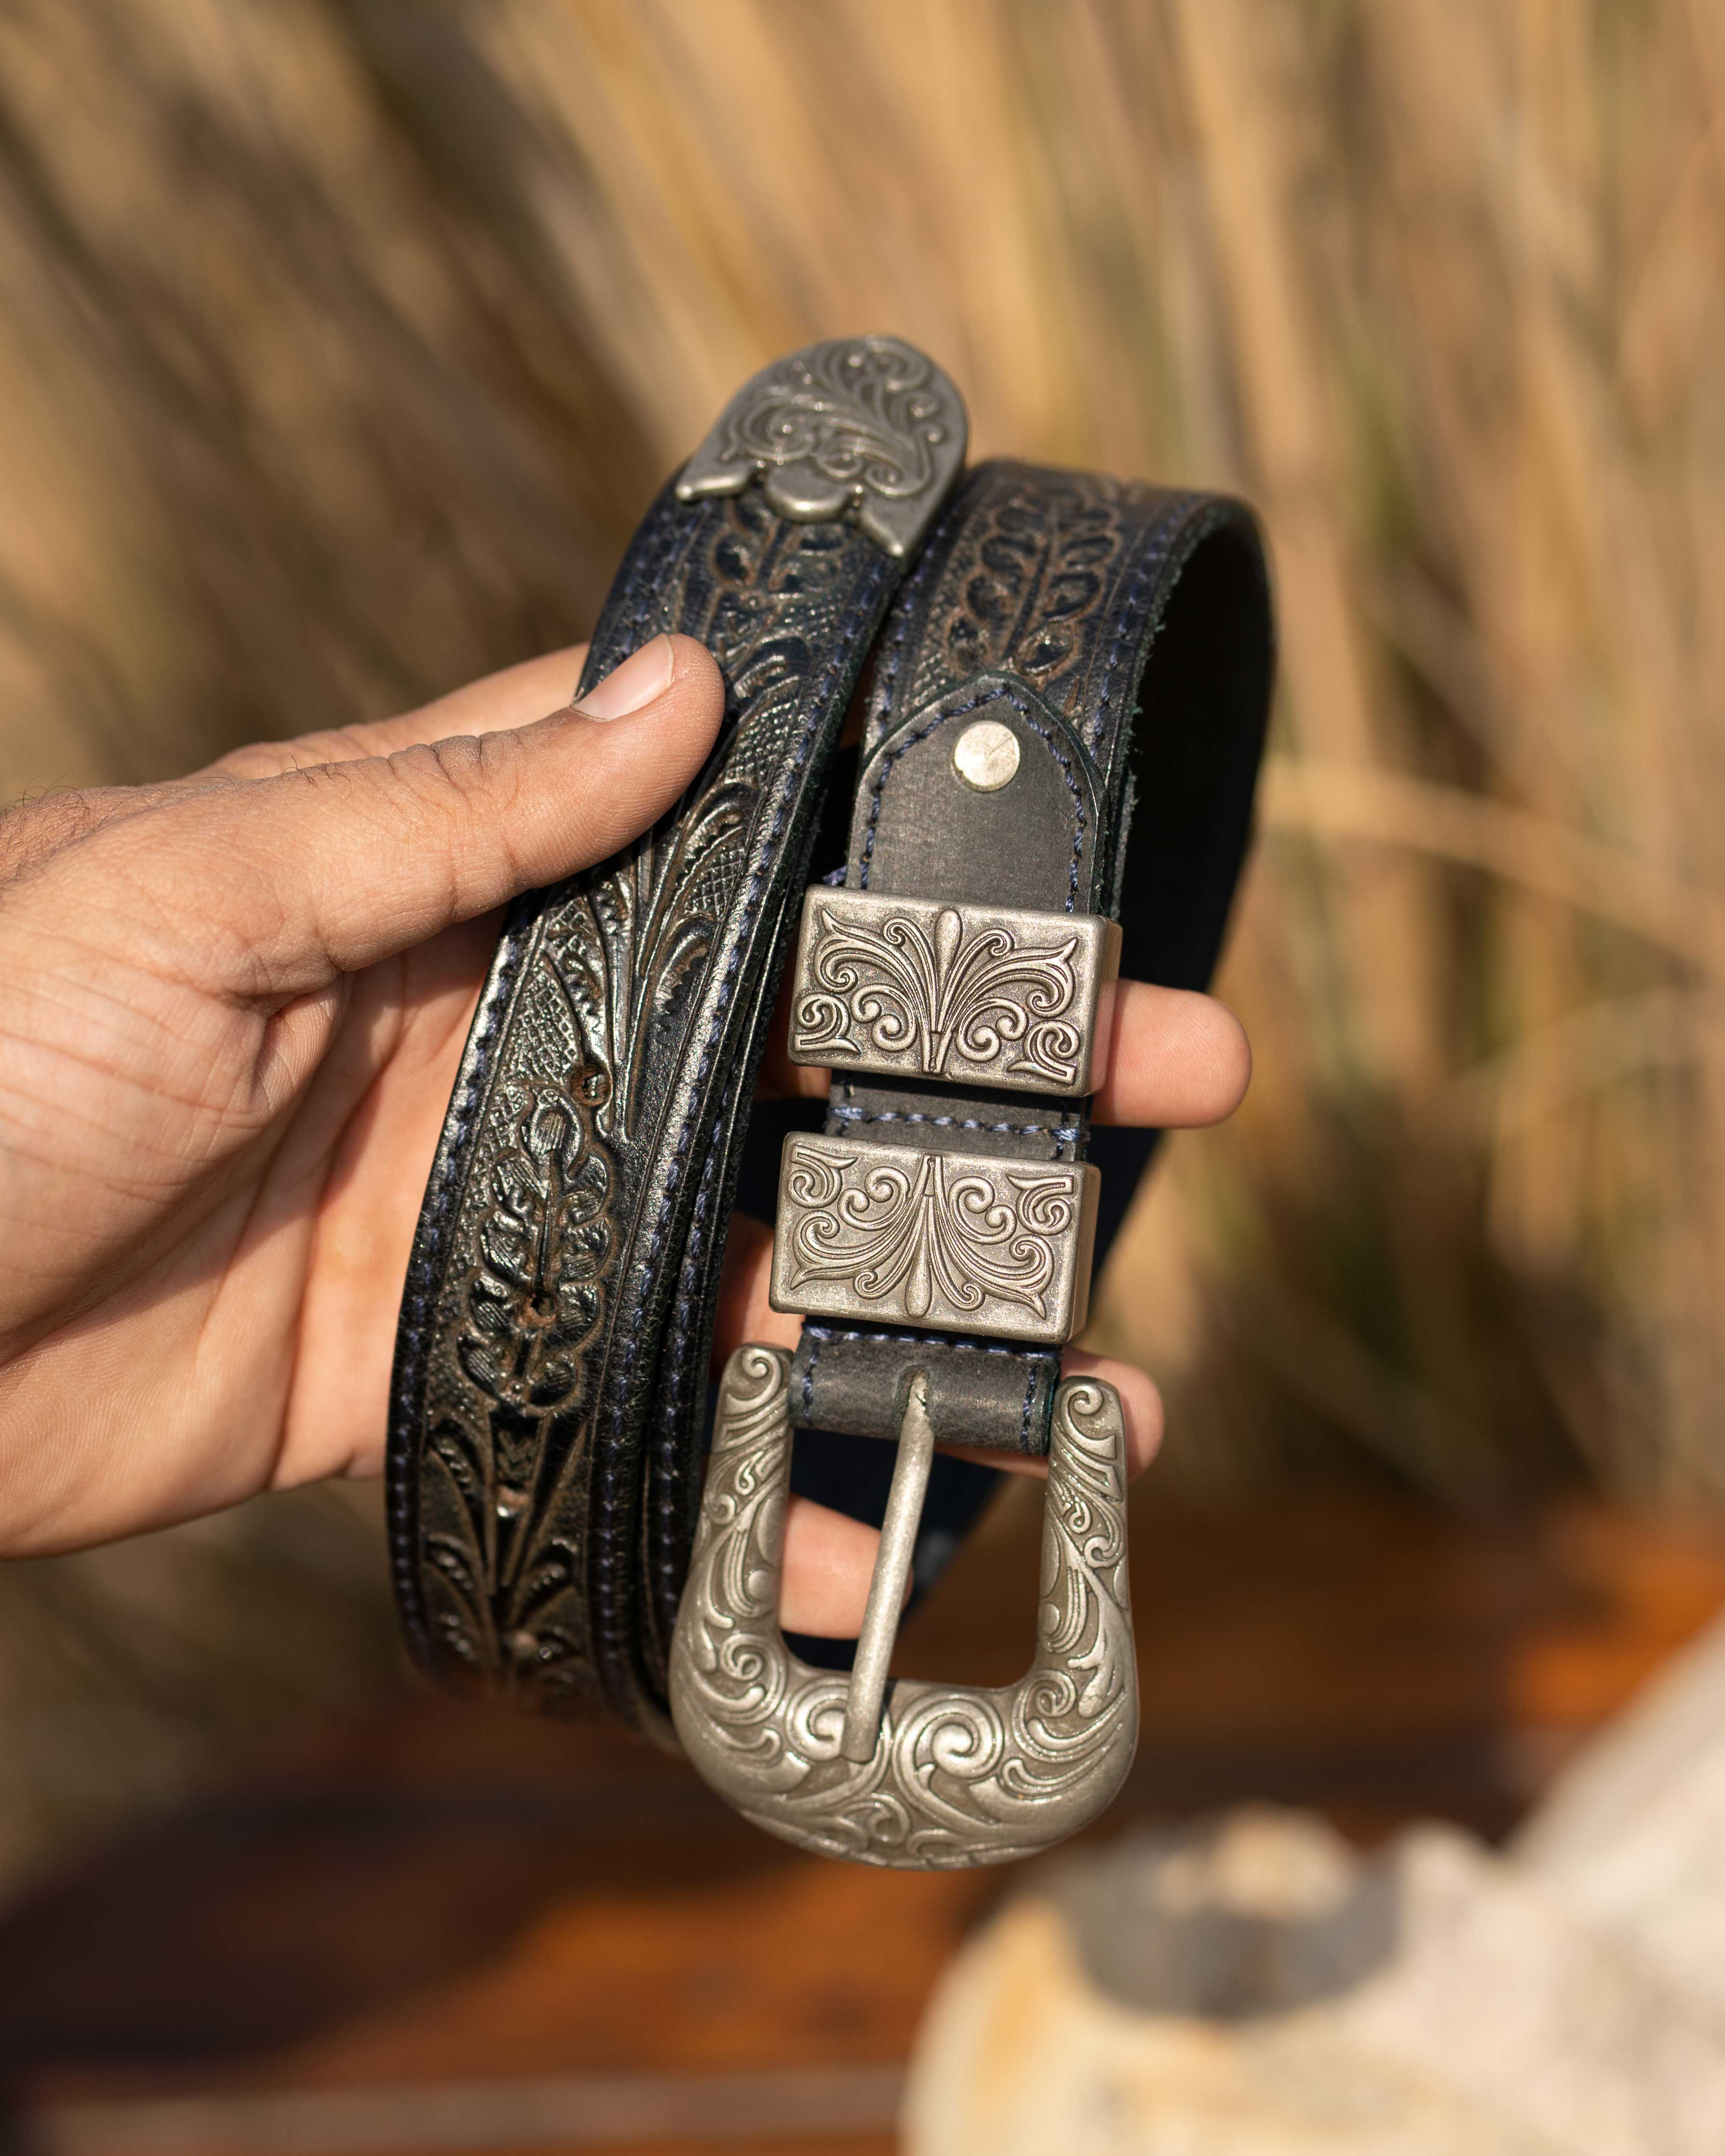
986,755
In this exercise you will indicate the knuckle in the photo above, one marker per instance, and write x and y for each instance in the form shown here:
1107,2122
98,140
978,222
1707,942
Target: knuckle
320,776
333,745
463,764
255,760
34,832
465,773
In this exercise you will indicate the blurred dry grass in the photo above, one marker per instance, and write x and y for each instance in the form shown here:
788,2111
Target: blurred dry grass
341,341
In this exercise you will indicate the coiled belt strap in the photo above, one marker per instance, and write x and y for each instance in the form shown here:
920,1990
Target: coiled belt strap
550,1374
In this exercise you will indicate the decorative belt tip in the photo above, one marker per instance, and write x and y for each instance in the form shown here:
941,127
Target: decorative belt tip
866,427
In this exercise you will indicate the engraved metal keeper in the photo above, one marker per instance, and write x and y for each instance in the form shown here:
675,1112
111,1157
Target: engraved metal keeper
958,1242
911,1774
986,995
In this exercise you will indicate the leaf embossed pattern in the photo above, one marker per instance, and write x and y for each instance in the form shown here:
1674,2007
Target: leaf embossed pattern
596,997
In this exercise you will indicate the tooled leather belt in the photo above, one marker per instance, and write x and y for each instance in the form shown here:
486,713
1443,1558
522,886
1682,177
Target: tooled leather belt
1063,729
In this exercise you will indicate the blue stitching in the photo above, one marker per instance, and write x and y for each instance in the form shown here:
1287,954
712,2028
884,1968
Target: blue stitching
429,1267
816,710
827,1333
1128,621
1037,1360
1066,1134
1170,523
681,1310
697,1234
1029,1396
904,612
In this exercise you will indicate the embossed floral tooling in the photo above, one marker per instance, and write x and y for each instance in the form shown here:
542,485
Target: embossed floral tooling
608,976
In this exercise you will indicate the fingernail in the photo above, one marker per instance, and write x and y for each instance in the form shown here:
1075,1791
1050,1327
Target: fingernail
631,687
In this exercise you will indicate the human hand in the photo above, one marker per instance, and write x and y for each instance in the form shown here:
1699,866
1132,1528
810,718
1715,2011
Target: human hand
232,1009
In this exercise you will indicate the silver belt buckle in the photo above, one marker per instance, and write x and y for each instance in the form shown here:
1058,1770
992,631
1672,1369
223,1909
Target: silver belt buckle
913,1774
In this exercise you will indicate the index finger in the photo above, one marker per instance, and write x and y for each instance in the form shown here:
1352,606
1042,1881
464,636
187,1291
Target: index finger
515,697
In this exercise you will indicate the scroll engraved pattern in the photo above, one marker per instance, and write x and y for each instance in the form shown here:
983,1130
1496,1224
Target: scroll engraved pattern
960,1776
534,1302
904,992
863,423
929,1236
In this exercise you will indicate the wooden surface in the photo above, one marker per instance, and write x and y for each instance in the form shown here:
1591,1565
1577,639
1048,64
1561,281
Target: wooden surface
442,1924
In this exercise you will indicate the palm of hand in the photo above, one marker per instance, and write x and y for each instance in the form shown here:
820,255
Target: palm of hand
208,1207
233,1011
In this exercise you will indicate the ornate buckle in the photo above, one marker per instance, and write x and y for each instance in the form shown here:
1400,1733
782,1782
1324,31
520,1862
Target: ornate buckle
910,1775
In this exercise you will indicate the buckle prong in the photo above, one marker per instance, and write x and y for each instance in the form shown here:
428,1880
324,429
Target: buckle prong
952,1774
875,1642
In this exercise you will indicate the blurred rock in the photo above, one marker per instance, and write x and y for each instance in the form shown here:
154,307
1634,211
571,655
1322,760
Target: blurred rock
1631,1838
1247,1987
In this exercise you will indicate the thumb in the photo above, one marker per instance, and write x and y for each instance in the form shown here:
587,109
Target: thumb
320,871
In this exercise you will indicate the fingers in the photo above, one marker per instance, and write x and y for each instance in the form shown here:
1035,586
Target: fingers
321,870
744,1313
1140,1408
828,1561
1174,1060
515,697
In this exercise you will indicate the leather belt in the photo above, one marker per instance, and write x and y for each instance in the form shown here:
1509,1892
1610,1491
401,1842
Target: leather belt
550,1379
1062,735
1062,740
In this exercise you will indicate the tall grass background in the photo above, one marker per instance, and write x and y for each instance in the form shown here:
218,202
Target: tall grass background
341,341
